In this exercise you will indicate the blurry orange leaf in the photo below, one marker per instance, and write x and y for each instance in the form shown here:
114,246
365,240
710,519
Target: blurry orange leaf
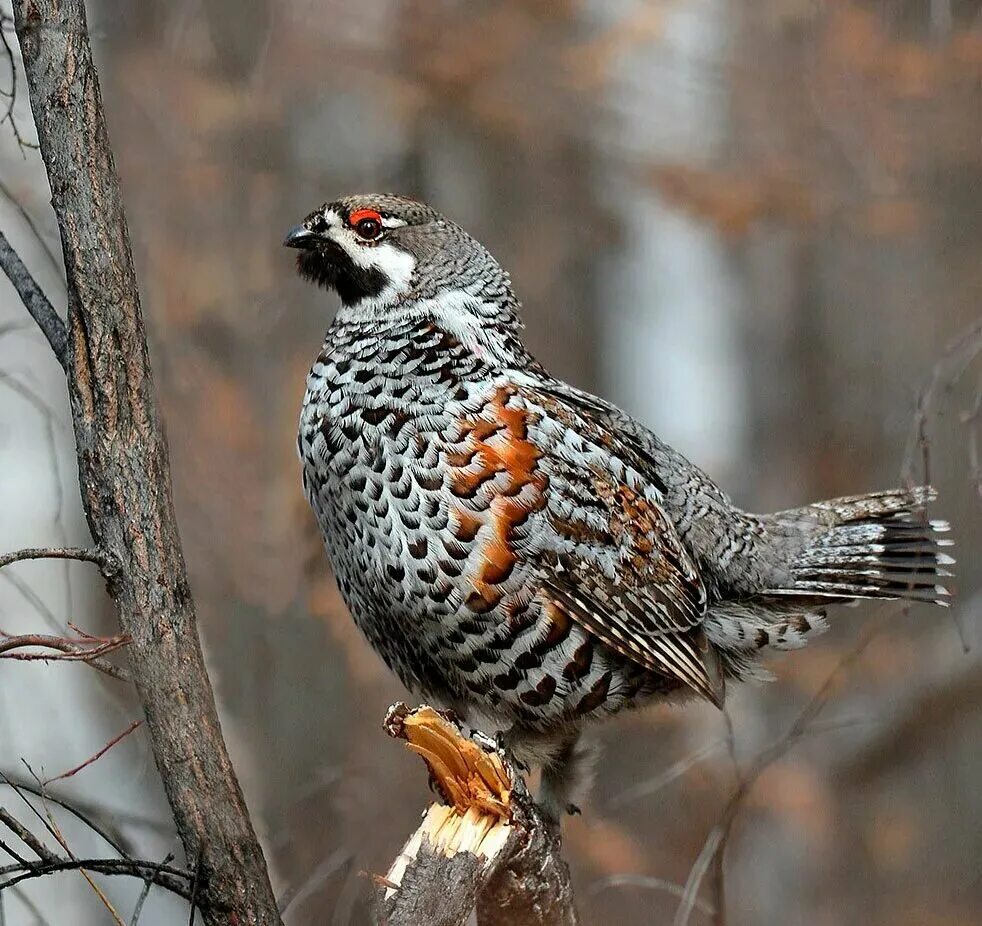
732,202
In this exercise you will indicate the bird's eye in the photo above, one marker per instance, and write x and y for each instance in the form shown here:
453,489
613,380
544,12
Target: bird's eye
369,228
367,223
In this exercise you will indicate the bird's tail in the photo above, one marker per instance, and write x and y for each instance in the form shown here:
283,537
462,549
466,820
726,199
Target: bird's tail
872,546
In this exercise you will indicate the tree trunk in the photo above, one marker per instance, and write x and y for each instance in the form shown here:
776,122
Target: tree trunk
124,470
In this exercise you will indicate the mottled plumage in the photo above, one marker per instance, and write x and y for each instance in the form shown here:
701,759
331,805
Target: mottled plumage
521,551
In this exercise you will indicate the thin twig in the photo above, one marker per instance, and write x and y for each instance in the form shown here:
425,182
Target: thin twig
44,820
35,301
715,844
957,356
12,854
164,875
48,858
194,890
80,812
26,836
94,758
651,785
11,94
647,882
29,553
35,230
104,900
145,893
65,650
334,863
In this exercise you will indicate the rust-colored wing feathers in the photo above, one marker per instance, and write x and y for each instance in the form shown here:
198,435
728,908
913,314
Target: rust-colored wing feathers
535,481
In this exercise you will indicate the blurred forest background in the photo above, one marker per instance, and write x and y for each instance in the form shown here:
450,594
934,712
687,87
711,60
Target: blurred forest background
755,225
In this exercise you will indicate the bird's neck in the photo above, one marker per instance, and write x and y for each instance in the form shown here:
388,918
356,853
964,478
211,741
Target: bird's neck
490,328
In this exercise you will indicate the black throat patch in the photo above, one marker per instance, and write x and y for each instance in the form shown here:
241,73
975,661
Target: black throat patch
328,265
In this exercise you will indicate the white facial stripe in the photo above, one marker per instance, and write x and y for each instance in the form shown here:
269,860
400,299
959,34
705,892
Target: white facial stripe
390,222
396,264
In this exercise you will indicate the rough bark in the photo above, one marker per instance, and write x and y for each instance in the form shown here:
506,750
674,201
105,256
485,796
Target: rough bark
488,846
124,471
532,886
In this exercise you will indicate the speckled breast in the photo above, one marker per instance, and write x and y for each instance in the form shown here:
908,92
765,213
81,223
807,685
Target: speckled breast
379,405
427,473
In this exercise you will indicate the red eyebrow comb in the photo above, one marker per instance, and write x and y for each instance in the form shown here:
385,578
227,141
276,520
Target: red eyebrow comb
361,214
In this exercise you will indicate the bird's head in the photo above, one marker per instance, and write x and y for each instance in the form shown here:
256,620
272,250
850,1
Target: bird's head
384,254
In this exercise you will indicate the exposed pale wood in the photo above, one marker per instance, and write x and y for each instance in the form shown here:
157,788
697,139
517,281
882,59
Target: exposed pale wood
488,847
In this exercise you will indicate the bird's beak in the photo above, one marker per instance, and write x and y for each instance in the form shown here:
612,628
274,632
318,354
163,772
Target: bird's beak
300,237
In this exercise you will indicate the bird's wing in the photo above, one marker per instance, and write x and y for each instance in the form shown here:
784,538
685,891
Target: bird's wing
606,552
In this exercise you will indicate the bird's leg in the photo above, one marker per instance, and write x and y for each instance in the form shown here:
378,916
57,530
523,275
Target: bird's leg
566,762
567,777
512,741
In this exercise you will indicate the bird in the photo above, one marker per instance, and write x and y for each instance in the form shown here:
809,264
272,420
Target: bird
524,553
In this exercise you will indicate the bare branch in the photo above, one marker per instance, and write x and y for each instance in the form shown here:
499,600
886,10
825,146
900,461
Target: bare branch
929,716
715,844
646,882
50,863
103,899
11,94
27,837
96,756
12,854
89,651
35,301
145,893
945,374
76,553
172,879
84,813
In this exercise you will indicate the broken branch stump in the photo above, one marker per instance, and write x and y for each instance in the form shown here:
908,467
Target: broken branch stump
487,846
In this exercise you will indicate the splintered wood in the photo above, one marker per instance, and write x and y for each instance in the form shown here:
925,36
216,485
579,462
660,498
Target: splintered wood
487,848
468,776
475,783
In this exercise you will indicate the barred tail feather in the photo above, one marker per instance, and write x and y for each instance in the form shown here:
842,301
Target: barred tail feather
875,546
